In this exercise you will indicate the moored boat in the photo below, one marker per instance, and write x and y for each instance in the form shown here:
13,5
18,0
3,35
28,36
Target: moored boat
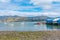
49,21
56,21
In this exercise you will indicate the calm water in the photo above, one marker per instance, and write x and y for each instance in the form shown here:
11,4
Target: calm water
26,26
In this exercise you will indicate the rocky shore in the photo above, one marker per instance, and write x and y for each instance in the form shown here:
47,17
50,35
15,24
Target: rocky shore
40,35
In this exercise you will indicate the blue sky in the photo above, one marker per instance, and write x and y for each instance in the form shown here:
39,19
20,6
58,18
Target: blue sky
30,7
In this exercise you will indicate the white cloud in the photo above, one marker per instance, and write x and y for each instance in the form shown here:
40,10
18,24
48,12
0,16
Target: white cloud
47,7
12,9
38,2
57,0
9,12
51,14
5,1
6,6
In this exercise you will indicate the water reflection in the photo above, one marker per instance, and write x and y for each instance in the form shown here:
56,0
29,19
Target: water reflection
52,27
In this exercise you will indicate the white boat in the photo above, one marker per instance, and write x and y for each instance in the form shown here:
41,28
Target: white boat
55,21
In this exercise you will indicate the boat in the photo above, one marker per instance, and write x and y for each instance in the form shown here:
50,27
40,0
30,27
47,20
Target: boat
49,21
37,23
56,21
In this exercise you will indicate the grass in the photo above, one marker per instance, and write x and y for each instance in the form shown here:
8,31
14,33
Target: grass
40,35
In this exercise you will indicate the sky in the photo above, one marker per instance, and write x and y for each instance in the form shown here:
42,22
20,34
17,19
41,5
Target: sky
30,7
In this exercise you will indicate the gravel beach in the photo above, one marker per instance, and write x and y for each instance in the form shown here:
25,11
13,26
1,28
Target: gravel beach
40,35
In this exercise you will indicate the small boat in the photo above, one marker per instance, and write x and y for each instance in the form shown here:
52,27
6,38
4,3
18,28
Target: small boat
38,23
56,21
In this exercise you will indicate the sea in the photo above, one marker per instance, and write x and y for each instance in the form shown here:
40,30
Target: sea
27,26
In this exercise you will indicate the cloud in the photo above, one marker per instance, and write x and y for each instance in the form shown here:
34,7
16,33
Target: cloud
9,12
13,9
5,1
57,0
51,14
12,13
38,2
46,7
